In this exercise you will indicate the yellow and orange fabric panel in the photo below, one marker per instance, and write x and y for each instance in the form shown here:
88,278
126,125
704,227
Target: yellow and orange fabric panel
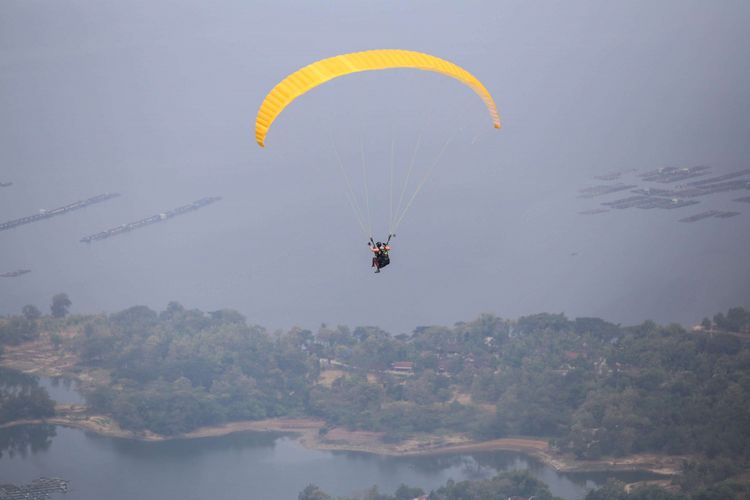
324,70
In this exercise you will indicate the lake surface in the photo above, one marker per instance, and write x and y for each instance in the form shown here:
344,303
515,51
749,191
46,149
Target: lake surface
62,390
246,465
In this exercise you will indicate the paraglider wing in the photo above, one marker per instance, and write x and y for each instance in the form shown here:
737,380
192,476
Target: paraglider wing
324,70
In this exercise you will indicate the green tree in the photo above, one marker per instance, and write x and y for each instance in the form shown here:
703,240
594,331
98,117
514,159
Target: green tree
31,312
612,490
405,492
17,329
21,397
312,492
60,305
504,485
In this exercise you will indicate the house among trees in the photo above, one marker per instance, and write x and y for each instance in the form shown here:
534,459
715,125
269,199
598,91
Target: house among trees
406,367
442,366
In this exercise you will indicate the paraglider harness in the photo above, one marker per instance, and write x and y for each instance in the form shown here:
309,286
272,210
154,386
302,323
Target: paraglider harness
381,257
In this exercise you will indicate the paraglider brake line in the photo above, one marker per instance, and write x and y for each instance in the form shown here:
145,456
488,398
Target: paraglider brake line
386,241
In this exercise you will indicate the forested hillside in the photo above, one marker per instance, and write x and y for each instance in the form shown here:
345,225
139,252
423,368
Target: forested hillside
594,388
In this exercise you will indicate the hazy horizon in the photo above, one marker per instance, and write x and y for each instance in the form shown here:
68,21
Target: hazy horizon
157,101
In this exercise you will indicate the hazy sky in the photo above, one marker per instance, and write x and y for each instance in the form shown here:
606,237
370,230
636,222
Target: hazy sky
156,100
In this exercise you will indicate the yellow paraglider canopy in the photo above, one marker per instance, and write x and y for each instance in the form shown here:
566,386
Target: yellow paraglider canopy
324,70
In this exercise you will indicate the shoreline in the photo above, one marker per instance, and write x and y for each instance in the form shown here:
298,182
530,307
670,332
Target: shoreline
338,439
38,358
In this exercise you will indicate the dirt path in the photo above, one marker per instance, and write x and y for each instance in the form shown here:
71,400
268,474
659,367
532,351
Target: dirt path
39,357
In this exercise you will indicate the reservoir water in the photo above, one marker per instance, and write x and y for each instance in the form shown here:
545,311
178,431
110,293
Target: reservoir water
62,390
243,465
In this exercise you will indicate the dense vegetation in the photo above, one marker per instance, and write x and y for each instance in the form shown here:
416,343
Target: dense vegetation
503,485
181,369
709,482
21,397
22,439
724,490
592,387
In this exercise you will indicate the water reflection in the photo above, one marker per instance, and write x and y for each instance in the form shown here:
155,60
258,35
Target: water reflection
18,393
10,378
229,467
565,484
62,390
22,439
466,465
272,465
176,448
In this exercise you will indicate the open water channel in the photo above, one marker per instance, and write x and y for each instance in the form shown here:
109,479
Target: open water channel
242,466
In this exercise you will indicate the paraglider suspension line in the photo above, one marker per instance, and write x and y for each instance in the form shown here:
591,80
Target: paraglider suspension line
349,190
394,223
424,180
367,189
